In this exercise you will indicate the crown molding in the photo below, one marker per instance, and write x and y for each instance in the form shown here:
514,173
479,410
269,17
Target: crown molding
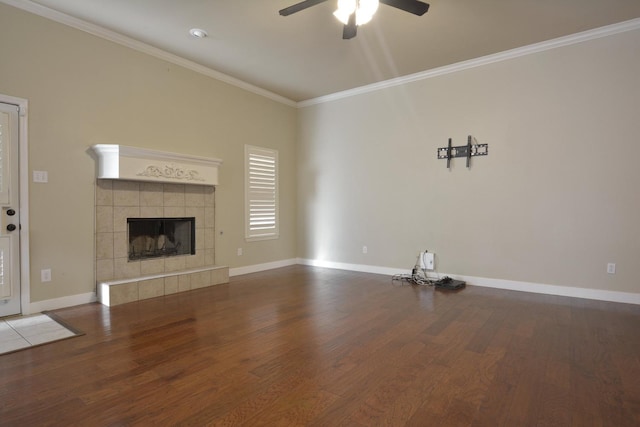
596,33
106,34
96,30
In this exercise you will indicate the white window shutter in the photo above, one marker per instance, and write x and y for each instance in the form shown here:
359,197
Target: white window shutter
261,192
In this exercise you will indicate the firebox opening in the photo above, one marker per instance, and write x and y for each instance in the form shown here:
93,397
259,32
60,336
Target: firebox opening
161,237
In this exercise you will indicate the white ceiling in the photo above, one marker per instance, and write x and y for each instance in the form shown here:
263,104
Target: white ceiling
303,56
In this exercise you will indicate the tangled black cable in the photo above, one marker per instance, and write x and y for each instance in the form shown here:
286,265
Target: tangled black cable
417,277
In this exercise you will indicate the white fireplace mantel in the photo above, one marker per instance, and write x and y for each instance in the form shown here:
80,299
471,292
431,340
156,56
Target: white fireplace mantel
140,164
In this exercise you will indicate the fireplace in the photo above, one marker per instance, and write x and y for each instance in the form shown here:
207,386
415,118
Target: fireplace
155,224
161,237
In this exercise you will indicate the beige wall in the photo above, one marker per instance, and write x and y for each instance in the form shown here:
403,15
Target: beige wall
554,201
83,90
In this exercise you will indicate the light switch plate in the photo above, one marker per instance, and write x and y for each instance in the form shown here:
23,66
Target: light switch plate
40,176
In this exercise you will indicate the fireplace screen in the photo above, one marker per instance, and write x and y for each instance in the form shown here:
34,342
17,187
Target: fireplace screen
161,237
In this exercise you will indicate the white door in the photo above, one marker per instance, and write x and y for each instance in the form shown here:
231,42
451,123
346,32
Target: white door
9,216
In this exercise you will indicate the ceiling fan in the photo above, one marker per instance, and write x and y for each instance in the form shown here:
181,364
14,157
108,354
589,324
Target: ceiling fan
353,13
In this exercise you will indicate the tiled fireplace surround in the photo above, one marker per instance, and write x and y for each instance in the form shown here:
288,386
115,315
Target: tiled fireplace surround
120,280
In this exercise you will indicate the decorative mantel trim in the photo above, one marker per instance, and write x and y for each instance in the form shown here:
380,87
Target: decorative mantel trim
171,171
140,164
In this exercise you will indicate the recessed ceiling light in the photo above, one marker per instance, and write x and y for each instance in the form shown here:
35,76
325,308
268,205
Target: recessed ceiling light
198,33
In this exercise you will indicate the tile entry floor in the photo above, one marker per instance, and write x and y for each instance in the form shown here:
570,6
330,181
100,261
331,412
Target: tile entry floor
27,331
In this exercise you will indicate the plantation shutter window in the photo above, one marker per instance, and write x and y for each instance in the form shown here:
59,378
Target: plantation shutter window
261,192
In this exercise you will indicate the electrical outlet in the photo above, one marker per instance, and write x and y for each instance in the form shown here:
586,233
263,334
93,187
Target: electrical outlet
45,275
427,260
611,268
239,251
365,250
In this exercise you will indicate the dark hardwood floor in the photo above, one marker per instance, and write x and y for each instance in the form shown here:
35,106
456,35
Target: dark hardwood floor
318,347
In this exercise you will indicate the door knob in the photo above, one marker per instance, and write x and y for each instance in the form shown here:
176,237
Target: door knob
11,212
11,227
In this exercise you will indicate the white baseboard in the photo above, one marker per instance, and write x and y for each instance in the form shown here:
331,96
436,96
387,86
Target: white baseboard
238,271
353,267
538,288
62,302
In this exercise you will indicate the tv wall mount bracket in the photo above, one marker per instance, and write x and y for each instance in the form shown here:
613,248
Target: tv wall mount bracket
470,150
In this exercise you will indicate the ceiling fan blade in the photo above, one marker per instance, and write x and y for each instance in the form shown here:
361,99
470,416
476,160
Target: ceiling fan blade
412,6
350,30
299,6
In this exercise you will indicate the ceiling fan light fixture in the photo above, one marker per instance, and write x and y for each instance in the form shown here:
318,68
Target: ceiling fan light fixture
364,10
344,10
367,8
